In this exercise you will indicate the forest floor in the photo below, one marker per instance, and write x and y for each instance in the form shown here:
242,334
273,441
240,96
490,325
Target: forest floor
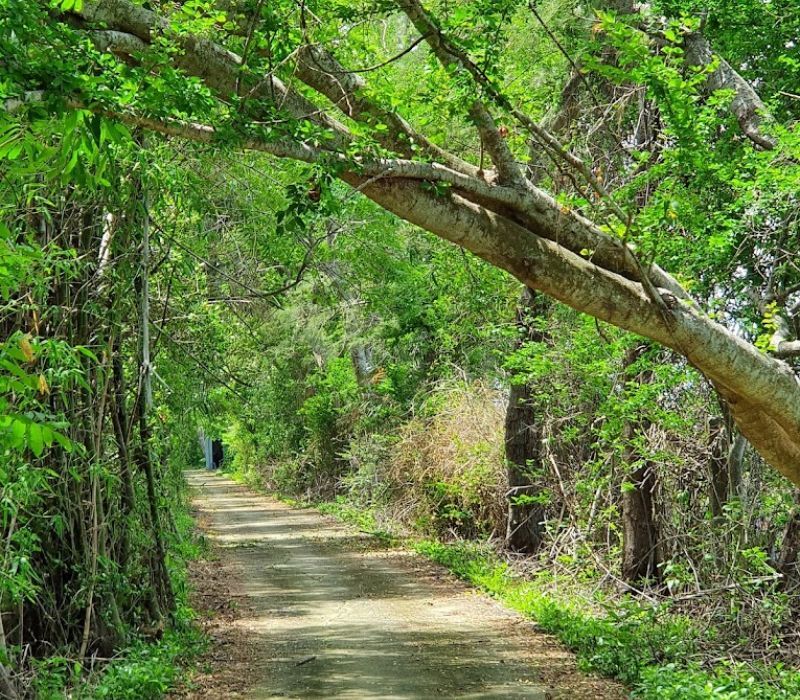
298,605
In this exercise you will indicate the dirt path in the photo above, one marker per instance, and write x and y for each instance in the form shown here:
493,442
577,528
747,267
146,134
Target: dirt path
326,612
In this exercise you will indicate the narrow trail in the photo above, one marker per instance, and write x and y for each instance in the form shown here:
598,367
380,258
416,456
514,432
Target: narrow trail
328,612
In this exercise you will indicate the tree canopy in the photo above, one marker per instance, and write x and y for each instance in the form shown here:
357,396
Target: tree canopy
312,83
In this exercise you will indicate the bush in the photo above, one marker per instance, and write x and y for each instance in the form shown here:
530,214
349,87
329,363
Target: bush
446,473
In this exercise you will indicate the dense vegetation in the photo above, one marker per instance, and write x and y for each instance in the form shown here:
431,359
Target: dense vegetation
238,217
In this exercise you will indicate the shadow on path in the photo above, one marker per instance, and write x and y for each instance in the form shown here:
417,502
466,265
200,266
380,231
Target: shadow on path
333,617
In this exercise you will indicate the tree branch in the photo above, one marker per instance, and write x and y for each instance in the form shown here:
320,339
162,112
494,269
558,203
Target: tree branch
320,70
747,106
507,167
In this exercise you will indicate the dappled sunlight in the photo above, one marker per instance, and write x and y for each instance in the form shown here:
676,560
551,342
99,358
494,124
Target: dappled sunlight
337,619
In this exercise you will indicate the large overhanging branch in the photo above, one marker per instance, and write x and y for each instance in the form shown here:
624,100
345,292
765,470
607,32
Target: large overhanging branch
319,69
754,384
523,230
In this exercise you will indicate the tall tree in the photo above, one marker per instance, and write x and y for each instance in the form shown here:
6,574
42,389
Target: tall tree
523,439
496,213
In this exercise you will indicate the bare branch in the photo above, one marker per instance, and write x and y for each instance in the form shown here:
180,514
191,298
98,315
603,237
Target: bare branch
786,349
779,344
320,70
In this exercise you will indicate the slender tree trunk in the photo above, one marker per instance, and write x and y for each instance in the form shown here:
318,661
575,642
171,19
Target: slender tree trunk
718,466
788,562
122,433
163,583
97,538
523,441
640,545
111,631
360,352
87,619
726,454
160,573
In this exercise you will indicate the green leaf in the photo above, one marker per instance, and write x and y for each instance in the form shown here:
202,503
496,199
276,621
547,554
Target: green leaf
35,440
64,441
47,435
18,428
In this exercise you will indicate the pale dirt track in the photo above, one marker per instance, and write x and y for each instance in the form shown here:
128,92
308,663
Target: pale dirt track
324,611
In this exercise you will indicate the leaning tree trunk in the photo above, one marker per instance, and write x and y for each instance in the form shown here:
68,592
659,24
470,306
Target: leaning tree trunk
523,435
640,545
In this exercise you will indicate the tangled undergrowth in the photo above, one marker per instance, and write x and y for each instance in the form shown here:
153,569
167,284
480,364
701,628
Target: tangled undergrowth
706,630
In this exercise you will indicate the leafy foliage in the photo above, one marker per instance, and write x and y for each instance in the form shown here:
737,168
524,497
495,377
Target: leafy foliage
340,353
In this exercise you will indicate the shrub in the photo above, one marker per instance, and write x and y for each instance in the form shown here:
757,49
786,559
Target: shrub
446,472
